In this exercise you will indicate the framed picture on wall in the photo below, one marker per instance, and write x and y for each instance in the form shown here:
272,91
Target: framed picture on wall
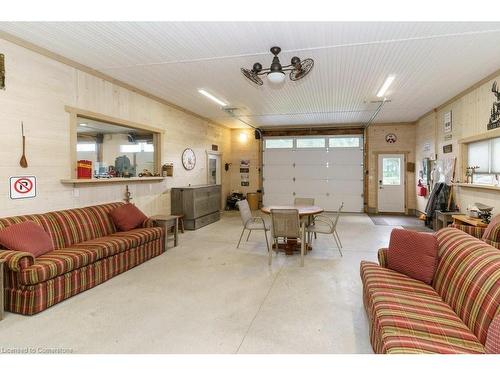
447,126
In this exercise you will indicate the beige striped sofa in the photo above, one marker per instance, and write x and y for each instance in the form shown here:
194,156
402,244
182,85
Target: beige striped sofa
88,251
458,313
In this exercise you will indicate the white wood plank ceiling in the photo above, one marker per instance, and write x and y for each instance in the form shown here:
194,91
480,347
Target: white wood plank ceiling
432,62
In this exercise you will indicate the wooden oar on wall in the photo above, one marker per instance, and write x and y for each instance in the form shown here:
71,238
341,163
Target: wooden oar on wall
23,162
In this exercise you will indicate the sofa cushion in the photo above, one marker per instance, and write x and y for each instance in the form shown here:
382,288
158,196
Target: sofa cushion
404,323
28,237
140,236
61,261
408,316
413,254
492,231
47,222
127,217
493,338
104,223
77,225
468,279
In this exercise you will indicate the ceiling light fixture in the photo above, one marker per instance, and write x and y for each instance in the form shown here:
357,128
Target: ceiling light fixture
385,86
211,97
276,72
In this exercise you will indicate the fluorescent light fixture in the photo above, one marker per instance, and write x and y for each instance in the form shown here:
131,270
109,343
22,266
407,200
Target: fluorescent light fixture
83,124
211,97
385,86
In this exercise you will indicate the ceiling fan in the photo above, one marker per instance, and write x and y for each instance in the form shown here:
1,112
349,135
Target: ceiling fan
276,72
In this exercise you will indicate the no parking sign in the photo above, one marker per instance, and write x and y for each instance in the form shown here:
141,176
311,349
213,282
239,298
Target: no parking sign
22,187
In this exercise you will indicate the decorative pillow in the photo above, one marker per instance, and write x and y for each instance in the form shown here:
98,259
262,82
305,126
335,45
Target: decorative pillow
492,345
413,254
492,231
27,236
127,217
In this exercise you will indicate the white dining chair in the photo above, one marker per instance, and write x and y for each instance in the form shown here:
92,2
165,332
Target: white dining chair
303,201
250,222
326,225
286,224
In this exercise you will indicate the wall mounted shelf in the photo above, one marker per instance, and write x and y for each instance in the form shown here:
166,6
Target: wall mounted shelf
116,180
477,186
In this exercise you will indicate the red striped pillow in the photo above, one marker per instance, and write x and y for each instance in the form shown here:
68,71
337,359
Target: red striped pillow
27,236
413,254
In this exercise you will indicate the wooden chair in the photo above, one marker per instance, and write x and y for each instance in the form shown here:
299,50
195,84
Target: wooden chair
286,224
251,222
325,225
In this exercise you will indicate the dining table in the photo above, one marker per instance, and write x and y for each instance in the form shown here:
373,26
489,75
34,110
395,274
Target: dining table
306,213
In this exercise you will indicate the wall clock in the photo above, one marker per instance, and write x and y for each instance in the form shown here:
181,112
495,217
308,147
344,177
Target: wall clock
188,159
391,138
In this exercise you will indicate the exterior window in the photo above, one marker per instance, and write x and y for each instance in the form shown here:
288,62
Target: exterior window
279,143
344,142
85,147
140,147
310,142
486,155
391,168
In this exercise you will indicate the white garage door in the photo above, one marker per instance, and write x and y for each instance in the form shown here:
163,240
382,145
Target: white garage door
328,169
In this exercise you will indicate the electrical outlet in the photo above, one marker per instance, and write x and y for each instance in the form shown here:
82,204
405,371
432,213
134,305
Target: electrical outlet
76,193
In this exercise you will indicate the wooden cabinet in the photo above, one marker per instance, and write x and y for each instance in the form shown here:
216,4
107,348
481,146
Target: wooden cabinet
200,204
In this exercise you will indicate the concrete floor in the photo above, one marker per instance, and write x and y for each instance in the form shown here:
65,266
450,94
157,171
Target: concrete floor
206,296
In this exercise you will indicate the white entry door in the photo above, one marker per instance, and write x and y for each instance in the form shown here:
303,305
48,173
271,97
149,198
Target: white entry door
391,183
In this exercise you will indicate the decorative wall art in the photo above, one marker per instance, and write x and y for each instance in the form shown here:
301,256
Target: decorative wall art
494,121
447,125
245,172
391,138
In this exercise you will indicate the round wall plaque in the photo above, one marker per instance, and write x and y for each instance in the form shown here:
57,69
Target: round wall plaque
391,138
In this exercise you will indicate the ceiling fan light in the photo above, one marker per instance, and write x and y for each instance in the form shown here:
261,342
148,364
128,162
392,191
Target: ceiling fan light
276,77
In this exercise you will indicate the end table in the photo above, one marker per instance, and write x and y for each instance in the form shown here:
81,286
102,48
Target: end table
168,222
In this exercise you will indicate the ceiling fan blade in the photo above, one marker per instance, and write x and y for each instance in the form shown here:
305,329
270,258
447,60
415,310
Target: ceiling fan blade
304,68
252,76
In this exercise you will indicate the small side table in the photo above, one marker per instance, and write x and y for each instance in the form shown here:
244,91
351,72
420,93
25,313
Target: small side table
466,220
168,222
1,289
443,218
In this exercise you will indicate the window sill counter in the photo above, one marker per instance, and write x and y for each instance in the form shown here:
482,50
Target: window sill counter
88,181
477,186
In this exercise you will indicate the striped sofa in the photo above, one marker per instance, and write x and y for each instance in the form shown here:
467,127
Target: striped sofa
491,238
458,313
88,251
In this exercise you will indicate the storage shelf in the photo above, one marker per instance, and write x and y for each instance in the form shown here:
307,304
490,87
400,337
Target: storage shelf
477,186
115,180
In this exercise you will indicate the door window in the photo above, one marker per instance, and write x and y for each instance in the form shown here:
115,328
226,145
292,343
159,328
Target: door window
391,171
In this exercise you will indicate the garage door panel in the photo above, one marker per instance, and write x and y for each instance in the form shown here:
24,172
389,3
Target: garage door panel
274,157
279,185
277,199
310,172
351,172
310,188
345,156
309,157
345,187
278,172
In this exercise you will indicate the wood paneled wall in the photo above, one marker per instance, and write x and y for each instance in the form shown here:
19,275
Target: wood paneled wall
38,88
470,114
376,144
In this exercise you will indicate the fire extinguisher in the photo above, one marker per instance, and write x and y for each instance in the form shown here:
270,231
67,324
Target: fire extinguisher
421,189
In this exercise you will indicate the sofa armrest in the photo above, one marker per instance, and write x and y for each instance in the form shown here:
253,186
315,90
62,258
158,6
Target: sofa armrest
469,229
493,243
16,260
382,257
